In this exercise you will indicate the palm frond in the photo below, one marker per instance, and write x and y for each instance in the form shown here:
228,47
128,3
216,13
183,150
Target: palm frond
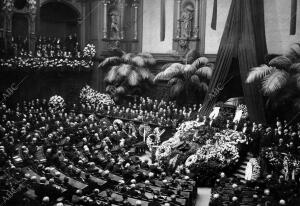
191,56
133,78
203,86
120,90
177,89
138,61
205,72
258,73
124,70
110,89
145,73
149,59
110,61
293,53
297,103
188,69
128,57
281,62
195,80
112,75
274,81
269,57
118,52
200,62
295,68
165,66
170,72
173,81
297,77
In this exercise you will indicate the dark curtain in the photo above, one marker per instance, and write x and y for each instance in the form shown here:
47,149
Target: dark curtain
243,38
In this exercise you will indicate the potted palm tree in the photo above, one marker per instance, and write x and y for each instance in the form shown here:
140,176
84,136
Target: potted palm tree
280,80
129,74
188,81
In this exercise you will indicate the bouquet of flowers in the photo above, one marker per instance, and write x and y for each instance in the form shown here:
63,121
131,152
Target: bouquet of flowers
45,64
225,154
232,136
151,140
255,168
172,142
244,110
56,102
187,129
89,51
89,95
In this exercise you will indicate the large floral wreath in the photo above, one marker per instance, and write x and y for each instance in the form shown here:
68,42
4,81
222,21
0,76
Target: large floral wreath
144,130
89,95
163,151
151,140
89,51
191,160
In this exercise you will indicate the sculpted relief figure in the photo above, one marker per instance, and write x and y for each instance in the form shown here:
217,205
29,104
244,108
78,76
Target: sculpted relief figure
186,21
115,25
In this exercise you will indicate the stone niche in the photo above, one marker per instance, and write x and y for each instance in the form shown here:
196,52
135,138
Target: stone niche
186,34
14,10
121,24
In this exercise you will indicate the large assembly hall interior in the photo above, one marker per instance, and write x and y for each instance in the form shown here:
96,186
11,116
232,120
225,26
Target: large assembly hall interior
149,102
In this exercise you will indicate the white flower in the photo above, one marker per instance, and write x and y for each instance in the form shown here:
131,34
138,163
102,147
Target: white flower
56,102
191,160
163,151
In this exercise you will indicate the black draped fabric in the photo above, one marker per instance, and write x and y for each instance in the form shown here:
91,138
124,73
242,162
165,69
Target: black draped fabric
293,17
244,39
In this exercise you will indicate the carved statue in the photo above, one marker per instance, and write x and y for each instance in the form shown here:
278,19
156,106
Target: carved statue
32,18
187,21
115,25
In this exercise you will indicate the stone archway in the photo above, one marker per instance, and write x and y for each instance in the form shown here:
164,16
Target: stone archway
59,19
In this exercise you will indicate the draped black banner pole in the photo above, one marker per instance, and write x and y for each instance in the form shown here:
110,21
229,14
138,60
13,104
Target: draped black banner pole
214,15
293,17
162,20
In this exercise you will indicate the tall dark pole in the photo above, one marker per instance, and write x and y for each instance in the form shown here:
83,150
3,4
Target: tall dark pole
162,20
214,15
293,17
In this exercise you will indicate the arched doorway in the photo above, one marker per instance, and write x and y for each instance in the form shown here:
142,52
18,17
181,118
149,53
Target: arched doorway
58,19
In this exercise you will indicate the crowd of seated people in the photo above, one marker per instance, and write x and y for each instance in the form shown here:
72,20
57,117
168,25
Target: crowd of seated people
49,47
65,158
279,180
147,110
50,54
267,190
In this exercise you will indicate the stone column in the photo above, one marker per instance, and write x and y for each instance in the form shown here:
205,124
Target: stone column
105,3
135,31
122,12
8,22
196,19
82,23
178,27
32,37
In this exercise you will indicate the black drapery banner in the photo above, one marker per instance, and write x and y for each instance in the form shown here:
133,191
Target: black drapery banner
243,38
293,17
162,20
214,15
